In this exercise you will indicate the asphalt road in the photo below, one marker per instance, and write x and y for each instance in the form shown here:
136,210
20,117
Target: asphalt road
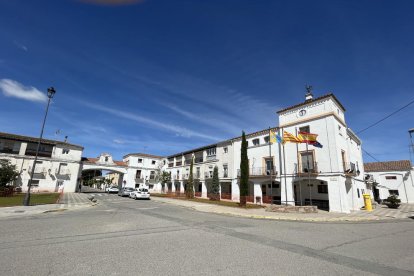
122,236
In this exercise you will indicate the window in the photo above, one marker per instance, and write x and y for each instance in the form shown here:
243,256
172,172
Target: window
106,158
198,174
307,162
35,182
225,170
211,152
65,151
226,150
359,196
8,146
340,130
304,129
139,160
153,162
256,142
138,174
266,139
152,174
394,192
391,177
63,168
323,189
269,166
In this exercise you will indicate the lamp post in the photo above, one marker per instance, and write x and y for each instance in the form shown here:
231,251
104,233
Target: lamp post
411,132
50,93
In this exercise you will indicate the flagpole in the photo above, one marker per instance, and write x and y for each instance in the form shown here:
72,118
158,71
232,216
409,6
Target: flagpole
307,159
271,168
284,166
280,163
297,160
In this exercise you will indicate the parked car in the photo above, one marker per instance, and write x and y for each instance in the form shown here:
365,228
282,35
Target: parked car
125,191
112,190
140,193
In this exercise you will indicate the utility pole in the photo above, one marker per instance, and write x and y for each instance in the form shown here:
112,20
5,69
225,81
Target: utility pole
411,146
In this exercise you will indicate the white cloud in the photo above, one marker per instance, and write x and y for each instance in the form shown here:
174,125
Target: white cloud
21,46
11,88
178,130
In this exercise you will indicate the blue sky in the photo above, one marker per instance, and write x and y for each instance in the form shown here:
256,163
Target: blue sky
166,76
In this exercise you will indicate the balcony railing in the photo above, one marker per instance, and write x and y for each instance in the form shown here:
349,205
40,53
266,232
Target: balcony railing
260,171
139,180
312,168
211,157
39,172
198,160
170,165
350,168
178,163
187,161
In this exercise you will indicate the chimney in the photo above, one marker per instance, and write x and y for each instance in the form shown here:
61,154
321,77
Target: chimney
309,95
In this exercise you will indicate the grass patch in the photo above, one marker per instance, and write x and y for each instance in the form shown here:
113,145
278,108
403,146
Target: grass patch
206,200
35,199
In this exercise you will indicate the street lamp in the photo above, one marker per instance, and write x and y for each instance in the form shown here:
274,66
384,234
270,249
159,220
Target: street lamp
411,132
50,93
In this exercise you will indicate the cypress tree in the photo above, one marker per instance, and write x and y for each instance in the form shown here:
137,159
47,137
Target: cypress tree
215,186
244,171
189,191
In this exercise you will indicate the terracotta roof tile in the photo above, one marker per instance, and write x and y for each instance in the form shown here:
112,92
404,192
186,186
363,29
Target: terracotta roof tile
401,165
93,160
313,100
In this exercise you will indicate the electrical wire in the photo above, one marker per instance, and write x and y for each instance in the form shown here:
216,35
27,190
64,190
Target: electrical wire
386,117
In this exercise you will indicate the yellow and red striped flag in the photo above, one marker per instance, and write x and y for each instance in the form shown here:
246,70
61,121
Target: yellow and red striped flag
308,138
289,137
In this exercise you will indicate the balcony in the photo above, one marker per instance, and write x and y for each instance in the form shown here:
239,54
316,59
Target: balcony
184,176
152,179
170,165
260,172
350,169
198,160
211,157
305,169
39,172
178,163
187,162
62,174
139,180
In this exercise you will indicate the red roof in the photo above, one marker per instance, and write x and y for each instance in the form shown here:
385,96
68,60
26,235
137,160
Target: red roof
143,155
401,165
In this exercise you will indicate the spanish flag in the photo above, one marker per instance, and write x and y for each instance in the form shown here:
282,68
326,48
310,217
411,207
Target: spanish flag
289,137
308,138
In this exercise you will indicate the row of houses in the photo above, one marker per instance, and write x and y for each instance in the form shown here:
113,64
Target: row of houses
331,176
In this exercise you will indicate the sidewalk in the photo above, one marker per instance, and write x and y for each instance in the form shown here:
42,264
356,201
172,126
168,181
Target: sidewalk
69,201
381,213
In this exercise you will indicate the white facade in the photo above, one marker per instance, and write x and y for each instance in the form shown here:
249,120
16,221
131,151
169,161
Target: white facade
388,179
143,169
57,168
334,178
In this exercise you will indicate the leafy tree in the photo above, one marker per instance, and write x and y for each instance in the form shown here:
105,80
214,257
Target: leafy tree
165,177
215,186
244,171
8,173
189,188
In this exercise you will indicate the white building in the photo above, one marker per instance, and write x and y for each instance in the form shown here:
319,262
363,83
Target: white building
391,178
57,168
331,177
142,169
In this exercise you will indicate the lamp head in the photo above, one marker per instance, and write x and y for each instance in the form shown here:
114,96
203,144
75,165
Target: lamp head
51,92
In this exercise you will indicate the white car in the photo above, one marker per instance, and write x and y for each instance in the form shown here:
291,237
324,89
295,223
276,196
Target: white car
140,193
112,189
